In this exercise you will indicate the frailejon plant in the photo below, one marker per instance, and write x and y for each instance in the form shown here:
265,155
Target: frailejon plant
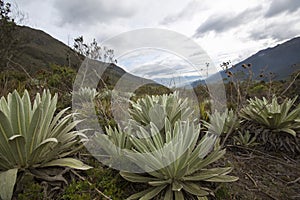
275,125
151,108
85,95
165,143
155,108
245,139
272,115
84,104
33,137
222,123
181,164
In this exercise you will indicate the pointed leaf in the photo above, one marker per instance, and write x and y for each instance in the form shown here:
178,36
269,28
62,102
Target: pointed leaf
154,192
68,162
8,179
136,178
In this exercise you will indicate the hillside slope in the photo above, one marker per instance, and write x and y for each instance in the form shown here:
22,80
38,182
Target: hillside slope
37,51
282,60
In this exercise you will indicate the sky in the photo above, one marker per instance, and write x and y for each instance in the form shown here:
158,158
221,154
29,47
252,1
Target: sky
226,30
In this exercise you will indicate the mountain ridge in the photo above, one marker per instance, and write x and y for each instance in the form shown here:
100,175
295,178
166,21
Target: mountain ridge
38,50
282,60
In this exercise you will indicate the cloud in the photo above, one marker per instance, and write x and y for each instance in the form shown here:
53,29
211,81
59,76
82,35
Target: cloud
152,70
158,64
280,6
163,68
225,22
188,11
246,26
90,11
276,30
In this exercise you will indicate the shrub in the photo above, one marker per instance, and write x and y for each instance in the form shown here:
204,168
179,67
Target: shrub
203,108
31,137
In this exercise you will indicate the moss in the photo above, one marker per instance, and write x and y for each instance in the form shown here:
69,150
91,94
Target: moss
78,190
109,182
33,191
106,180
223,193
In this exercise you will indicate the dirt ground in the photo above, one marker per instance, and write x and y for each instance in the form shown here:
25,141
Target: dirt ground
262,175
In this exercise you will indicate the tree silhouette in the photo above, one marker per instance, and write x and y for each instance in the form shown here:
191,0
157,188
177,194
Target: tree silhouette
94,51
8,39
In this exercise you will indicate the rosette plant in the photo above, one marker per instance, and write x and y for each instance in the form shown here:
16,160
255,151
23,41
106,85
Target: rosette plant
177,165
275,125
222,123
32,137
145,110
84,95
272,115
155,108
164,144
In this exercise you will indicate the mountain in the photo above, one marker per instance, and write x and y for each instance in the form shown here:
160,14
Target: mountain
37,50
177,81
282,60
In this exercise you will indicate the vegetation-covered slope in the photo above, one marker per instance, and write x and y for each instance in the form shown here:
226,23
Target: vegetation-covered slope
37,52
282,61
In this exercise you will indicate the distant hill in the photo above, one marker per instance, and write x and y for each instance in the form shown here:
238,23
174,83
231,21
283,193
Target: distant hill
282,60
38,50
176,81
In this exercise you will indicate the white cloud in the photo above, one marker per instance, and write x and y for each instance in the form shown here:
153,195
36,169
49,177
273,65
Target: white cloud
153,63
227,30
282,6
92,11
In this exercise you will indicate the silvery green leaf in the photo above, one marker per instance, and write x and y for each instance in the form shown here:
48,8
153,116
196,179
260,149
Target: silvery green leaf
7,183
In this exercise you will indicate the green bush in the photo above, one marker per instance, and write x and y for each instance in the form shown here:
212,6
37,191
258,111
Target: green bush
203,108
258,89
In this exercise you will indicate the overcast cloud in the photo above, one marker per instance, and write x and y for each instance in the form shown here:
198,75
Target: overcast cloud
92,11
187,12
224,22
226,30
153,64
282,6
